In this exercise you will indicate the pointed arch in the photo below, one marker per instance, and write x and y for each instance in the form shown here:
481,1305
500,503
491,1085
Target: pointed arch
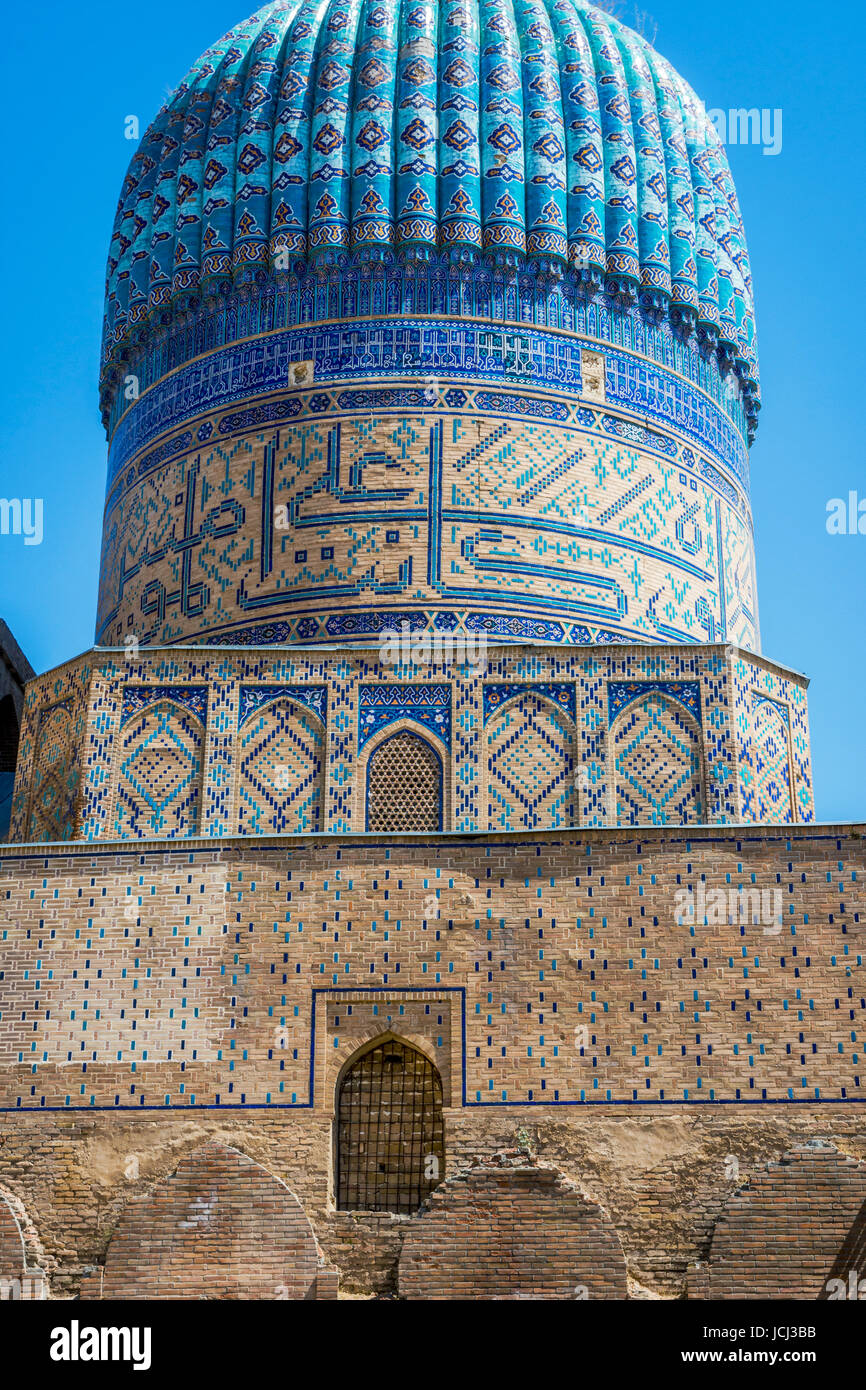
404,781
51,812
389,1128
531,754
767,762
159,775
281,768
656,757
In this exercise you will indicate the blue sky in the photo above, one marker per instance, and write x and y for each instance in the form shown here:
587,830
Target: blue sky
72,73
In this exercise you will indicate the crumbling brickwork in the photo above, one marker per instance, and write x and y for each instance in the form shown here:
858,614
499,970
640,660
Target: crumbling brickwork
662,1177
511,1230
796,1226
12,1260
221,1227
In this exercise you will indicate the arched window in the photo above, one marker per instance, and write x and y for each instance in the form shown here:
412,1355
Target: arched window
404,785
390,1137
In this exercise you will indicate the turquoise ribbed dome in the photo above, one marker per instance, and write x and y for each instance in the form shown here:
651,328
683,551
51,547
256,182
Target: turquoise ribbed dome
545,138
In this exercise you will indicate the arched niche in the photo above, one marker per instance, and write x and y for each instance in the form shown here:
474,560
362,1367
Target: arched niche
531,755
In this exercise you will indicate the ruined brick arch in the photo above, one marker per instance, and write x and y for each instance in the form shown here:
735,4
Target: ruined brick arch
511,1229
796,1225
221,1227
389,1134
21,1275
12,1255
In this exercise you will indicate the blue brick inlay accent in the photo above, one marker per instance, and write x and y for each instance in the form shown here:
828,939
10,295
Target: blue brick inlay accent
562,695
191,697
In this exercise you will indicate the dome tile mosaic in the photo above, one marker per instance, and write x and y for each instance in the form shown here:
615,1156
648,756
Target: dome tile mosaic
544,139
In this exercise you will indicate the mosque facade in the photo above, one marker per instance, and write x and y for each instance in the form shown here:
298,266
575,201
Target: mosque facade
426,834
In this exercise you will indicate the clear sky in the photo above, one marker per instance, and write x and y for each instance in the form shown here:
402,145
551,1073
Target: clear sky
72,73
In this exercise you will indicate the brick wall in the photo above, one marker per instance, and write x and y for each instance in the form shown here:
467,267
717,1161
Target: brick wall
21,1278
221,1227
300,952
552,970
662,1177
12,1261
511,1230
796,1225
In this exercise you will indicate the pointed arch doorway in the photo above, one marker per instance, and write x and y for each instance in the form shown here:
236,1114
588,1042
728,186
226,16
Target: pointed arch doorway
390,1145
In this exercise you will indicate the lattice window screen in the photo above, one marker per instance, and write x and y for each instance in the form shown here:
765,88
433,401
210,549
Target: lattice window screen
404,785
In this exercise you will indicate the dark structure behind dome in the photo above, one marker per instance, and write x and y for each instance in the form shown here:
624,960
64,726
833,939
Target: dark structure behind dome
15,671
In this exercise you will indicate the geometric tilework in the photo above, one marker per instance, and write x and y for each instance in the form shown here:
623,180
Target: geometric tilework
530,765
562,695
350,355
267,716
52,800
473,515
621,694
281,761
770,762
657,762
159,782
381,705
252,697
786,730
190,697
